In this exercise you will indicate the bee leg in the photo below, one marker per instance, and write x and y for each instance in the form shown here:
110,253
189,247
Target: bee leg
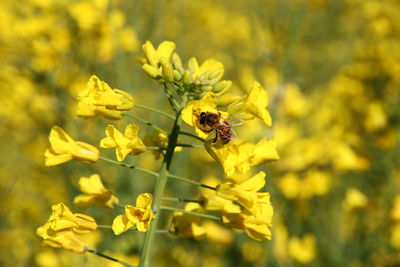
216,137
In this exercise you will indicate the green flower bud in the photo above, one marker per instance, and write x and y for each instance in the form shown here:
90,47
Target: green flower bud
176,61
213,82
215,74
151,71
204,82
177,75
187,78
206,88
219,86
192,64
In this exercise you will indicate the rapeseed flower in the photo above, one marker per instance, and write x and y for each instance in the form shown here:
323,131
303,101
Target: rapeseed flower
139,216
302,250
187,225
64,239
239,156
256,224
63,219
245,193
126,144
63,148
254,104
94,193
99,99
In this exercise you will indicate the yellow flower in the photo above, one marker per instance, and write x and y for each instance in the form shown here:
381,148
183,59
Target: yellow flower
186,225
153,56
216,233
255,105
64,239
354,199
94,193
256,224
159,140
241,155
129,143
192,111
99,99
139,216
245,193
395,211
220,205
63,219
302,250
64,148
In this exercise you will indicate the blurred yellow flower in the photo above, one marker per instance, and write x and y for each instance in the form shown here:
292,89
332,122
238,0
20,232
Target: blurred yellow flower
290,185
139,216
254,104
63,219
187,225
354,199
395,211
63,148
375,118
216,233
99,99
302,250
129,143
61,239
94,193
245,193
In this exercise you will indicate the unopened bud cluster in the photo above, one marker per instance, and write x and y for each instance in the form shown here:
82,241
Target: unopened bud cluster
165,66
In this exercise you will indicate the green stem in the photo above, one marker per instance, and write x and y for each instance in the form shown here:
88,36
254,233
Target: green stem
108,257
145,254
118,205
190,145
171,98
100,226
207,216
182,200
129,166
182,179
163,231
192,135
154,148
155,111
148,123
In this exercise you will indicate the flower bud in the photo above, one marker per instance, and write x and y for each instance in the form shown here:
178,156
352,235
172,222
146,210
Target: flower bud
151,71
220,86
187,79
215,74
176,61
167,71
150,53
192,64
177,75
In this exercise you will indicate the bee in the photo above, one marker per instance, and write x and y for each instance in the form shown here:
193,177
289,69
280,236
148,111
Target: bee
222,126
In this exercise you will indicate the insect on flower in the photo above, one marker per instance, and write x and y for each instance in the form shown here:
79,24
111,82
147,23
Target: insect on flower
221,124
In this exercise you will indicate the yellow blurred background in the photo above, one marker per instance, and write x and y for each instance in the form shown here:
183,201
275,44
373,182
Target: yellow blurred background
330,67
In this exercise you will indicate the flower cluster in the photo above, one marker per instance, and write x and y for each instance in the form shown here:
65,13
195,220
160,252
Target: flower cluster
196,95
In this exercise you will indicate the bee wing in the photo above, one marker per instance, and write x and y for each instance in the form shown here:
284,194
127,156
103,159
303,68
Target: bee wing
234,121
234,135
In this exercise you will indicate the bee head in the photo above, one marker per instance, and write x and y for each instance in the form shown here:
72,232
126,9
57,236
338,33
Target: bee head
203,118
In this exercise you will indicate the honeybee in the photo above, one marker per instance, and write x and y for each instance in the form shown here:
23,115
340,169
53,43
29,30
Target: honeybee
222,126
